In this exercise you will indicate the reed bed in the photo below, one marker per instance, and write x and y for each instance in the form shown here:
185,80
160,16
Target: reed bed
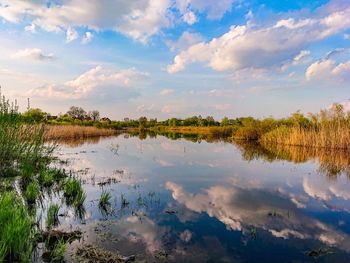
329,129
337,137
75,132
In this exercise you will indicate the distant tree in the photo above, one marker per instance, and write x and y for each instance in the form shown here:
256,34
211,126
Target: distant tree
76,112
94,115
142,122
225,121
34,115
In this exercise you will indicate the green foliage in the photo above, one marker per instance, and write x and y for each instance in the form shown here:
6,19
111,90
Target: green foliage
46,177
16,232
57,254
74,193
52,215
34,116
20,143
32,192
105,199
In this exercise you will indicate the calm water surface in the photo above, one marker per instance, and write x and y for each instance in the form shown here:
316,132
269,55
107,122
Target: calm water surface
184,201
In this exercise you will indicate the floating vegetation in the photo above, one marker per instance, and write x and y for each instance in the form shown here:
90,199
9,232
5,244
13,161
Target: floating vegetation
124,201
316,253
91,253
171,211
161,254
56,255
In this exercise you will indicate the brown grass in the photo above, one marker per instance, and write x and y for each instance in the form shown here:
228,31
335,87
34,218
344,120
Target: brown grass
330,137
75,132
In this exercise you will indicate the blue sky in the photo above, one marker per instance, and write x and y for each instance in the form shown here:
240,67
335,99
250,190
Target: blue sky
176,58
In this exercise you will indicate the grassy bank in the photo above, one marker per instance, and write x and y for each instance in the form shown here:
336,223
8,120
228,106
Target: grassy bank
28,175
57,132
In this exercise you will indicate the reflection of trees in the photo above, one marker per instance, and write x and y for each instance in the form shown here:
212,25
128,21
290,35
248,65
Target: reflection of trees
331,162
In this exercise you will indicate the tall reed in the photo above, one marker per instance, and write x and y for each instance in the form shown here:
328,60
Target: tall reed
330,129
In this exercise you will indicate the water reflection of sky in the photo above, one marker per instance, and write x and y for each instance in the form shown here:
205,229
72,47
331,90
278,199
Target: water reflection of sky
196,202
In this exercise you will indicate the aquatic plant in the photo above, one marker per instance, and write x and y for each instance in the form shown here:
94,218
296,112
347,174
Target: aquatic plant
105,199
57,254
74,193
46,178
16,232
32,192
52,215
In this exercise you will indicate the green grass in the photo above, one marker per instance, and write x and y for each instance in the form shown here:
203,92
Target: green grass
46,178
32,192
74,193
105,199
52,215
57,254
16,232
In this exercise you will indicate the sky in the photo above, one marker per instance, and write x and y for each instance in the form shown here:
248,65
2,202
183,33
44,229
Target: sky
176,58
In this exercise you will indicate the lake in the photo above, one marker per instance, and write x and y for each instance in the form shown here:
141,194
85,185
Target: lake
189,199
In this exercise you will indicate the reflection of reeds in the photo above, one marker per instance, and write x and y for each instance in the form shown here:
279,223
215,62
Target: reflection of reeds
332,162
75,132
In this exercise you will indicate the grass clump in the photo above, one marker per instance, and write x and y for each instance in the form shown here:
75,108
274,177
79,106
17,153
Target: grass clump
32,192
74,193
57,254
16,232
105,199
52,215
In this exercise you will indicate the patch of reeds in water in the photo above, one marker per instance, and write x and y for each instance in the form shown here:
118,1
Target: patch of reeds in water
58,132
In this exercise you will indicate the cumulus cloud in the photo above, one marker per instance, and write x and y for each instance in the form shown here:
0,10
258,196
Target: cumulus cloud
33,54
30,28
245,47
88,36
328,69
190,18
138,19
214,9
166,92
185,40
97,82
71,34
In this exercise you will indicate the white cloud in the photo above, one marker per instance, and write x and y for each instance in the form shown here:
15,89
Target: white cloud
214,9
145,109
88,36
185,40
71,34
137,19
328,69
245,47
190,18
301,55
98,82
33,54
166,92
30,28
